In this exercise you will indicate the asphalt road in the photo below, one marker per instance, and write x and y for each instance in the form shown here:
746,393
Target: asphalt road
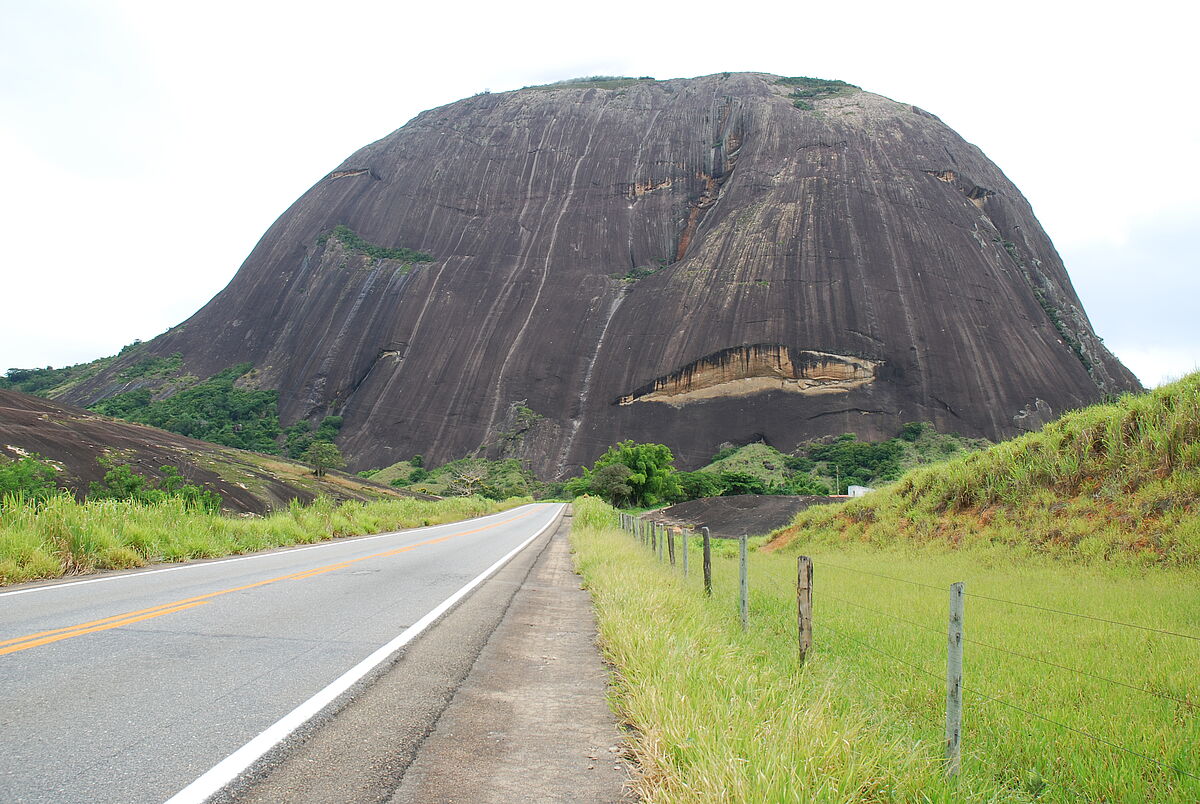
129,688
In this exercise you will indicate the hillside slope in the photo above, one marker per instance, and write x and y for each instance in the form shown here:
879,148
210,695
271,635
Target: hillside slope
73,440
1115,481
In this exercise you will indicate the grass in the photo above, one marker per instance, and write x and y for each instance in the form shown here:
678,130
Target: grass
721,715
64,537
353,241
1112,483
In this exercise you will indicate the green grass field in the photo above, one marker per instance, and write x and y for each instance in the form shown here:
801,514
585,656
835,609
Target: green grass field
718,715
63,537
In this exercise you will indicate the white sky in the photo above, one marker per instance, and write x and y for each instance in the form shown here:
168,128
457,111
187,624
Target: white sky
147,145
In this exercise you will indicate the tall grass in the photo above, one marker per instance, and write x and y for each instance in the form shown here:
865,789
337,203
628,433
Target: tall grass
63,537
1113,482
722,715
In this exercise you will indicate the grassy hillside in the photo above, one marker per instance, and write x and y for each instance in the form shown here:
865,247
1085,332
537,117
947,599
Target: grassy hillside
1119,481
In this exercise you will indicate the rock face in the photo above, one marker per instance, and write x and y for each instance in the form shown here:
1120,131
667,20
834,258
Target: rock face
689,261
73,440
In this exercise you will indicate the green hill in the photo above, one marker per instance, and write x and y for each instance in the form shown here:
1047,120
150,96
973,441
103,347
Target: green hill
1112,481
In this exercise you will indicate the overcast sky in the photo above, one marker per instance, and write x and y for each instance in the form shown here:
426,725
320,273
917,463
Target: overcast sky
147,145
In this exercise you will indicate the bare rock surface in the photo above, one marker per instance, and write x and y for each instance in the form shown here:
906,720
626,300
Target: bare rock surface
738,514
690,261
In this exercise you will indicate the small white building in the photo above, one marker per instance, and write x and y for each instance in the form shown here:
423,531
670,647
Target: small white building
858,491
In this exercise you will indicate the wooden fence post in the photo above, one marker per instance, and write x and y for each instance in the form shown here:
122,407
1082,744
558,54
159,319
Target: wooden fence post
954,656
671,542
707,561
744,580
804,578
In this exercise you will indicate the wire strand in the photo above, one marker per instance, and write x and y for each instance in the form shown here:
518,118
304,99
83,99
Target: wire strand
826,596
878,575
1081,672
1084,616
1017,603
904,662
1109,743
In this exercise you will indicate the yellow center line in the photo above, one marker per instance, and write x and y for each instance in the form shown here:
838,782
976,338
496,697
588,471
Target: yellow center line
80,632
46,637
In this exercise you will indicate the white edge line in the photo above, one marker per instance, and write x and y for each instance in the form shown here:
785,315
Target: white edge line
228,769
273,552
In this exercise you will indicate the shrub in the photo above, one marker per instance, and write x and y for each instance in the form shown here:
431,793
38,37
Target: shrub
122,483
26,479
354,242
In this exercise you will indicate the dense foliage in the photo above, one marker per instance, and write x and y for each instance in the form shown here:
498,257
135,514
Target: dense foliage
26,479
122,483
651,479
215,410
857,462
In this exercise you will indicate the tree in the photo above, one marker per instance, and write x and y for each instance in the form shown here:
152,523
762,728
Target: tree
466,476
323,455
611,483
651,477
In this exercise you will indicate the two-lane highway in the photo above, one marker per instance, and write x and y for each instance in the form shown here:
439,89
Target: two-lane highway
130,688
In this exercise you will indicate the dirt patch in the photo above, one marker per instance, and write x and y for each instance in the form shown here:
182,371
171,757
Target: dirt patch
728,517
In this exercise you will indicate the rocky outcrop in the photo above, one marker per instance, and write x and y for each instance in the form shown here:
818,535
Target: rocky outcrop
75,441
687,261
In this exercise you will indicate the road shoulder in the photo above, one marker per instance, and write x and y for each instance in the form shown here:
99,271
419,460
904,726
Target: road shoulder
504,700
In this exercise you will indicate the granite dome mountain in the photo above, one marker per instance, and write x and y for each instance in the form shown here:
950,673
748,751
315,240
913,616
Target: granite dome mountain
741,256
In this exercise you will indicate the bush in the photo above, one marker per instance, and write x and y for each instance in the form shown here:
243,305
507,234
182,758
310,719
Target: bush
26,479
694,485
354,242
742,483
122,483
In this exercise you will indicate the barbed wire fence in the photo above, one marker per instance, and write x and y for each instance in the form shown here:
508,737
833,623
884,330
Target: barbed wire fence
662,540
